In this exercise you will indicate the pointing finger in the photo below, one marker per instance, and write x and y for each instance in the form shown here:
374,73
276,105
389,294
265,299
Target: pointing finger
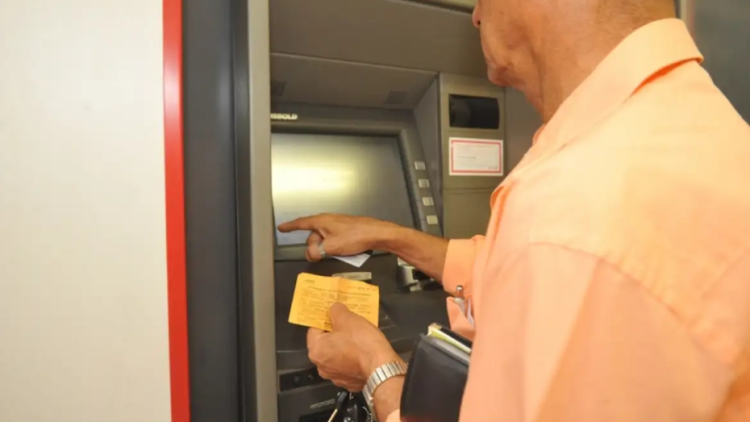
302,223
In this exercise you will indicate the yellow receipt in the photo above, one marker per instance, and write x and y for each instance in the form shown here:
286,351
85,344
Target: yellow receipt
314,295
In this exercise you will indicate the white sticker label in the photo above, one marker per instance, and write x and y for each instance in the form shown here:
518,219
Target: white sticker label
284,116
432,220
476,157
419,165
427,201
424,183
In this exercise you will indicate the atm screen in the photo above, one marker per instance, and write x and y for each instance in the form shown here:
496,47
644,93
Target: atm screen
355,175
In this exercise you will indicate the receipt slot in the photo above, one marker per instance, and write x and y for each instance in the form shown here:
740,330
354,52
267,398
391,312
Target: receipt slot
473,112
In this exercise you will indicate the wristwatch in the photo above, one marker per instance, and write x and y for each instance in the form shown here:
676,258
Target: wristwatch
379,376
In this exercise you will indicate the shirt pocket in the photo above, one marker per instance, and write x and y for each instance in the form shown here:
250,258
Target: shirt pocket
459,322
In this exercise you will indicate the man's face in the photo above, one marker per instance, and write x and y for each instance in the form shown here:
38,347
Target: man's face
503,28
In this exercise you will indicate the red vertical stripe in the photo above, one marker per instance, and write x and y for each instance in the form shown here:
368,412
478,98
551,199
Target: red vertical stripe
175,207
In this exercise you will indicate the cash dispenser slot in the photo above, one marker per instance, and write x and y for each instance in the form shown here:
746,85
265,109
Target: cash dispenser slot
473,112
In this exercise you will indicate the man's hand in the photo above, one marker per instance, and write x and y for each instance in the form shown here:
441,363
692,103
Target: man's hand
351,352
343,234
347,235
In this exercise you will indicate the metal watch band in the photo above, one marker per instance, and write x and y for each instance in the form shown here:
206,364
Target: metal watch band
379,376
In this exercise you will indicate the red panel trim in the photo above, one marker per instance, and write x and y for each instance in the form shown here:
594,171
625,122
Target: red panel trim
175,211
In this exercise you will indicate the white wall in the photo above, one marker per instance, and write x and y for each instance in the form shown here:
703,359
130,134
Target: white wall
83,291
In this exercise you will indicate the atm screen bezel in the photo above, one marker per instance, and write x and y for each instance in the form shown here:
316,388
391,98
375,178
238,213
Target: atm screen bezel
411,151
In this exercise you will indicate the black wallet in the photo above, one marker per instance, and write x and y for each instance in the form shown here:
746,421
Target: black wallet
435,382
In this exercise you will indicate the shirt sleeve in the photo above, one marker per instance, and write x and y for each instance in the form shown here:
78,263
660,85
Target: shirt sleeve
459,262
562,336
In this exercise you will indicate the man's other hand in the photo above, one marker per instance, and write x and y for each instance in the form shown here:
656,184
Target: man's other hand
351,352
343,234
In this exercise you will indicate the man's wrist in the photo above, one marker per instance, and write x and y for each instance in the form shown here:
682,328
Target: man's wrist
384,404
383,395
388,236
368,366
387,398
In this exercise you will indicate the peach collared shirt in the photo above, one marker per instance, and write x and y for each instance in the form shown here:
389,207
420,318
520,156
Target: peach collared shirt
613,283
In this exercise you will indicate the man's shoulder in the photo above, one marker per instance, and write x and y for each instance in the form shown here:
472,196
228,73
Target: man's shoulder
665,203
685,105
676,150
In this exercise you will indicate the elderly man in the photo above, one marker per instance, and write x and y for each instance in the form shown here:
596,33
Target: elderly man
613,283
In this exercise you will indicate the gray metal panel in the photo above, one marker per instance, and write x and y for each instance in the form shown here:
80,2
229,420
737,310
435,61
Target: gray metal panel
522,123
463,219
681,7
253,126
722,32
468,211
391,33
480,87
310,80
210,212
427,117
685,10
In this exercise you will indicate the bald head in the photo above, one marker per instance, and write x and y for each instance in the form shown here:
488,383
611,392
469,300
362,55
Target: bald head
543,46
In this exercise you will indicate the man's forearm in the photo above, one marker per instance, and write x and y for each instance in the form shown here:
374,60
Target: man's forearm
387,397
424,251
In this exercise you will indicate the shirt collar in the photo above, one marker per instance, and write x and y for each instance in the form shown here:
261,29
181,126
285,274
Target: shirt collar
646,52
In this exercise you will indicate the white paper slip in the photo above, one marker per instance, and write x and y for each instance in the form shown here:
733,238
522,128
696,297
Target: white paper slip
355,260
435,331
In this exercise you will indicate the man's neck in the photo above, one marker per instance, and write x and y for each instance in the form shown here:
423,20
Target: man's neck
568,53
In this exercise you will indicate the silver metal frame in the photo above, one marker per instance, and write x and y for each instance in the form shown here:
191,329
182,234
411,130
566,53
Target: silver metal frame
686,12
261,218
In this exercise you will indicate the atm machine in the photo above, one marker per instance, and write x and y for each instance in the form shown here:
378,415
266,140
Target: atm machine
367,107
296,107
375,108
379,108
